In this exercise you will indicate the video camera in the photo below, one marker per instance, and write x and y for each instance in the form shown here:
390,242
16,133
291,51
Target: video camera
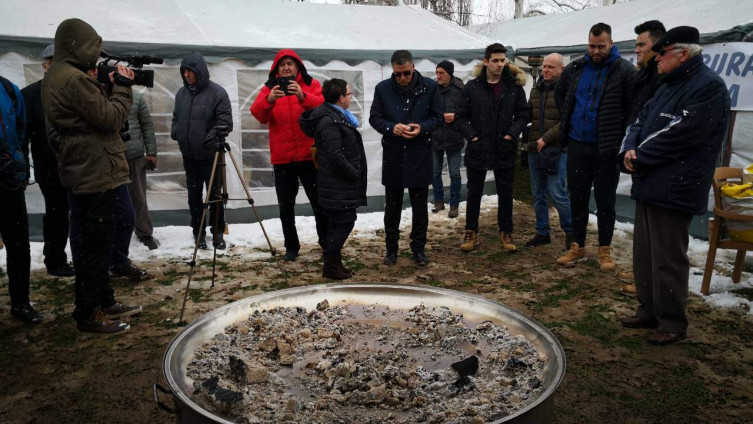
135,62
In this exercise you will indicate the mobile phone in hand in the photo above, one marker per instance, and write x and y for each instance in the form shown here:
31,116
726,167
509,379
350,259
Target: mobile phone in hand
283,82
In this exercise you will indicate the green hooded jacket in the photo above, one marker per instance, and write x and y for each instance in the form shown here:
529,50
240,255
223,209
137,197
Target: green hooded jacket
141,129
91,158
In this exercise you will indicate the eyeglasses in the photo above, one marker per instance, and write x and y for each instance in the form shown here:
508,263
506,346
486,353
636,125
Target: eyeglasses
404,73
664,51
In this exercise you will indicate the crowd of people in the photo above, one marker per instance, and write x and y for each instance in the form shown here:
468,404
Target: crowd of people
662,121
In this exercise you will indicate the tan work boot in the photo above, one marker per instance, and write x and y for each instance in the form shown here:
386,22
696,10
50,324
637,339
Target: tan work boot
575,255
470,241
605,258
506,240
629,287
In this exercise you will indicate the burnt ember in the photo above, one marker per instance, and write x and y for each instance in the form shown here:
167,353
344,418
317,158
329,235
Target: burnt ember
365,364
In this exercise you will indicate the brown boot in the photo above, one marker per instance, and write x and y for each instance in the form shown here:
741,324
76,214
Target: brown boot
333,267
575,255
470,241
100,323
438,206
506,240
453,212
605,258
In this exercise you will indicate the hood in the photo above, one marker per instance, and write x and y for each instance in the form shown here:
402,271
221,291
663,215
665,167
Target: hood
78,44
614,54
509,72
195,62
302,73
457,82
310,119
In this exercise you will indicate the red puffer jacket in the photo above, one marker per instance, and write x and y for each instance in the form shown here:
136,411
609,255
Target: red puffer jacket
287,143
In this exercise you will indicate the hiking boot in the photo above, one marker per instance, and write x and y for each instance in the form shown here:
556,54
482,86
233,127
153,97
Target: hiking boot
129,271
203,244
333,267
569,239
605,258
470,241
628,289
149,242
100,323
390,258
290,255
26,313
625,276
438,206
506,240
453,212
219,241
420,258
539,240
62,271
120,310
575,255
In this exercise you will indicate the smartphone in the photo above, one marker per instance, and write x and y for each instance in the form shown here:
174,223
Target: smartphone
283,82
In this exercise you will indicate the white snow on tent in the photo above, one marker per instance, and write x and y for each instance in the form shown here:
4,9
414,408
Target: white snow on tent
570,29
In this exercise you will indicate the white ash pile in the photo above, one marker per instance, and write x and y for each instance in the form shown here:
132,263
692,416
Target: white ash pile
365,364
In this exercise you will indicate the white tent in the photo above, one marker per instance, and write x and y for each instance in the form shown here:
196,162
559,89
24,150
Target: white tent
239,38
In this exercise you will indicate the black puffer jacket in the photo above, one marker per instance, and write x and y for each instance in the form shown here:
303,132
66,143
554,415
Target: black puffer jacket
480,116
645,83
45,162
341,180
614,105
446,137
198,111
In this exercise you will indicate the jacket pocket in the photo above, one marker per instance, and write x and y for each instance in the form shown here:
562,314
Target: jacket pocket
113,150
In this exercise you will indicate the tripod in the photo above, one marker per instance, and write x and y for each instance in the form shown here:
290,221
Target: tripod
219,164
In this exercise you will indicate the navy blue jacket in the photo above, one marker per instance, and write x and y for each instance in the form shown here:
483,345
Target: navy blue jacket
677,138
14,126
406,163
198,111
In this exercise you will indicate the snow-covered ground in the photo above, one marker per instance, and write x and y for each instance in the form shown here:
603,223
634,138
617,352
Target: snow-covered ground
248,240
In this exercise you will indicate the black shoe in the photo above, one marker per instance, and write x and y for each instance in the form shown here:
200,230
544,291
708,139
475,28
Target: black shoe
203,244
539,240
333,268
420,258
390,258
149,242
129,271
26,313
62,271
219,245
290,255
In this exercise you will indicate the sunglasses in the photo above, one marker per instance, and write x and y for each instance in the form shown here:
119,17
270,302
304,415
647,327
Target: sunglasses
404,73
665,51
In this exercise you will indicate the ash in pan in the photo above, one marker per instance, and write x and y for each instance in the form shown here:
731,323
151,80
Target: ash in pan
365,364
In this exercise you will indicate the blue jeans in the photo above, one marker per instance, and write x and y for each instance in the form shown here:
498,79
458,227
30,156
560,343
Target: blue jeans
556,187
453,164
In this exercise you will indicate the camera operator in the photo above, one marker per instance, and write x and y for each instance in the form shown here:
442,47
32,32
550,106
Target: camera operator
201,107
91,163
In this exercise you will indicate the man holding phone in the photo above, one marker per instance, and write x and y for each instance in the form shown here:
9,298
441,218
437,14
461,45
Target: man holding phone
407,107
288,92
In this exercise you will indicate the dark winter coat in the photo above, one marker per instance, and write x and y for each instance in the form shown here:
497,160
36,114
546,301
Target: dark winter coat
199,111
614,104
447,137
287,143
406,163
45,162
645,84
544,116
677,138
341,180
91,157
480,116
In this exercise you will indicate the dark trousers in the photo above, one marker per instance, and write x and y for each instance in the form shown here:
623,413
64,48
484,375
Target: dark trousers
661,265
55,225
341,223
503,179
198,173
97,227
137,189
394,207
287,177
14,229
122,227
586,167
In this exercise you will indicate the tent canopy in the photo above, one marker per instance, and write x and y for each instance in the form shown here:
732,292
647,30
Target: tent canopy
717,21
251,30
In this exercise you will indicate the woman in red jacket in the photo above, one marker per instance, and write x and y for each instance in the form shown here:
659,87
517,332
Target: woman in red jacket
288,92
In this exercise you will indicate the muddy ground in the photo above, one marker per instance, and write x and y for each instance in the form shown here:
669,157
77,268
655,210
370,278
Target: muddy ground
51,373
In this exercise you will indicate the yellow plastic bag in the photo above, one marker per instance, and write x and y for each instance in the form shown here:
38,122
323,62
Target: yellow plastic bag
738,198
748,174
